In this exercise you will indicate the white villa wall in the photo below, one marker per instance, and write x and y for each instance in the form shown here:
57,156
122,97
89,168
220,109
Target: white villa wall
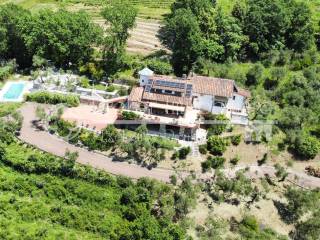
203,102
236,103
143,80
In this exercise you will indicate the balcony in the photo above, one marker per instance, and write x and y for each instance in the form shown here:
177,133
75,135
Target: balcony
219,110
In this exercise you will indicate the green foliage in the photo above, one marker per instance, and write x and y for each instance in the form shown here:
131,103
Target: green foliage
110,88
127,115
53,98
307,146
300,202
309,229
236,139
213,162
223,188
254,75
7,69
278,28
201,31
203,149
252,31
214,228
234,161
182,35
73,205
27,33
217,145
281,173
249,229
120,17
8,108
182,153
219,125
159,66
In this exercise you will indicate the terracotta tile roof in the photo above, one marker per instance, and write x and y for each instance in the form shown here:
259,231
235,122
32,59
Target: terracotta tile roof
168,99
244,92
136,94
213,86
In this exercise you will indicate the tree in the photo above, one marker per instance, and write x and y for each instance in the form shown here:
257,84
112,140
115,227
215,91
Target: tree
301,32
12,45
182,35
219,125
109,137
275,25
230,36
309,229
254,75
307,146
69,162
120,18
217,145
55,36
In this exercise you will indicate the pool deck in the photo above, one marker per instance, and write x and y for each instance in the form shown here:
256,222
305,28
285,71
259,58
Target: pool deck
6,87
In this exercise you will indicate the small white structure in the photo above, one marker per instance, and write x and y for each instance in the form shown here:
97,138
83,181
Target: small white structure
145,74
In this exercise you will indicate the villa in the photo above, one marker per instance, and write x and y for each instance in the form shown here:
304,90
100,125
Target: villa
180,101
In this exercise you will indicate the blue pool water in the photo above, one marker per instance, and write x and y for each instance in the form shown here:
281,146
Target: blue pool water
14,91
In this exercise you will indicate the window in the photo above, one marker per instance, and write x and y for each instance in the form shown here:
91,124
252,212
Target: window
219,104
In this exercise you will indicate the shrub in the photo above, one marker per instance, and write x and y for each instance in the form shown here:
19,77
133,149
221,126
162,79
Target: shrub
203,149
70,100
110,88
235,160
216,162
236,139
173,179
183,152
175,155
219,127
212,162
255,74
123,91
84,82
250,223
307,146
217,145
206,165
263,160
127,115
160,66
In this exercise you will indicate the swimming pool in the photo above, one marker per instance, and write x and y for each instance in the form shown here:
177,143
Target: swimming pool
14,91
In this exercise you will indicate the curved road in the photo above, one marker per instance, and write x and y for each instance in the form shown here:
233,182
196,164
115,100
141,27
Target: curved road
52,144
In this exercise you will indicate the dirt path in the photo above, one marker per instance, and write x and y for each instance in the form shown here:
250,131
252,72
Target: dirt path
52,144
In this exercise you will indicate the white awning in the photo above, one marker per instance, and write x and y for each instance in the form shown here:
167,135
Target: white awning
166,106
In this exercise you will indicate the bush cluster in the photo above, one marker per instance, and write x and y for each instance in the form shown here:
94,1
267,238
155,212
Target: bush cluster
70,100
213,162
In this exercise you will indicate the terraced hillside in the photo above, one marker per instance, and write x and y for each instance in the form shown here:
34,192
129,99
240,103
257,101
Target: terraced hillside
144,38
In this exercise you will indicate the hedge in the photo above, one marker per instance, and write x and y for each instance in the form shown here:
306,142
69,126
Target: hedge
71,100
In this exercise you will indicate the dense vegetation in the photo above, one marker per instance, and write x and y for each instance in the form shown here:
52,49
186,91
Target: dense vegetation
45,197
264,46
69,100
